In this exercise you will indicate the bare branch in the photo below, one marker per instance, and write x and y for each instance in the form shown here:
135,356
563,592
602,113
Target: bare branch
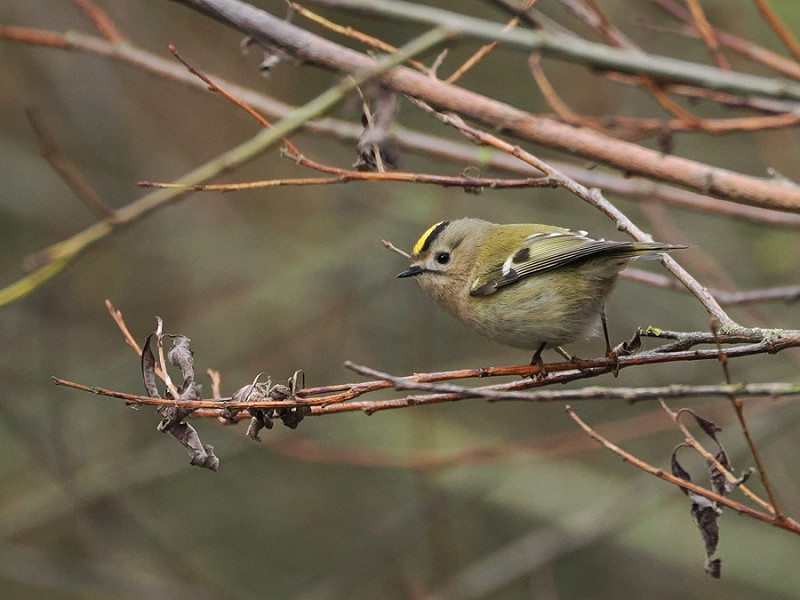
412,140
784,523
66,169
446,97
784,33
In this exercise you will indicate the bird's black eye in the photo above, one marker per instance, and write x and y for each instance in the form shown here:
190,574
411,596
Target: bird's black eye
443,258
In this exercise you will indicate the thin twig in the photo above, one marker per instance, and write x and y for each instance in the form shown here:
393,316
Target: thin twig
637,160
410,139
553,100
505,392
57,257
123,327
472,184
341,397
738,408
788,524
743,47
784,33
352,33
487,49
101,21
395,249
66,169
342,175
692,441
788,293
707,33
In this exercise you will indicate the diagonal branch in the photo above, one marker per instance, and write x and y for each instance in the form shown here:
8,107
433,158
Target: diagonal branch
57,257
556,44
418,141
781,30
783,523
633,159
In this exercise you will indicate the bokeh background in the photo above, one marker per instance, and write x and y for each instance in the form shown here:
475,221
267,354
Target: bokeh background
467,500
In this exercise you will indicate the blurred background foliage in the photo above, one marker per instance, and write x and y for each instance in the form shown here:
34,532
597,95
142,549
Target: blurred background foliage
94,503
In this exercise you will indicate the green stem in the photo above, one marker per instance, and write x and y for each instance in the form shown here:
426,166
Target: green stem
574,49
55,258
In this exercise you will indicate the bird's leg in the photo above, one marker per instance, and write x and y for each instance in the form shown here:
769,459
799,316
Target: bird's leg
609,352
538,362
605,330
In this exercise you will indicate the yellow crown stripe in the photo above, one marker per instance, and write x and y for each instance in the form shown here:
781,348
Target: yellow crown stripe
432,232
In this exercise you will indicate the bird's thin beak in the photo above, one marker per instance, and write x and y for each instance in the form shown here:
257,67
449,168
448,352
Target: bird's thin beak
411,271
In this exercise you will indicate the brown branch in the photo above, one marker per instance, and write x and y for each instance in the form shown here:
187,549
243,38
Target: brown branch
689,122
471,184
340,397
517,391
411,140
487,49
692,441
592,15
101,21
553,100
624,127
116,315
352,33
66,169
707,33
784,33
339,401
342,175
741,46
446,97
789,293
785,523
738,408
758,104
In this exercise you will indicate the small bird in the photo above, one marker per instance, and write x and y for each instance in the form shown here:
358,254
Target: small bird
525,285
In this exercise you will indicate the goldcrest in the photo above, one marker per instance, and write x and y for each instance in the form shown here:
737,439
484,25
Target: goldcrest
524,285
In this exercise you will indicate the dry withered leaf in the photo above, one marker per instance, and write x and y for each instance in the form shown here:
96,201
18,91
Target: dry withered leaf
376,146
148,369
704,513
708,426
173,418
201,455
628,347
261,419
172,422
719,482
291,416
181,356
